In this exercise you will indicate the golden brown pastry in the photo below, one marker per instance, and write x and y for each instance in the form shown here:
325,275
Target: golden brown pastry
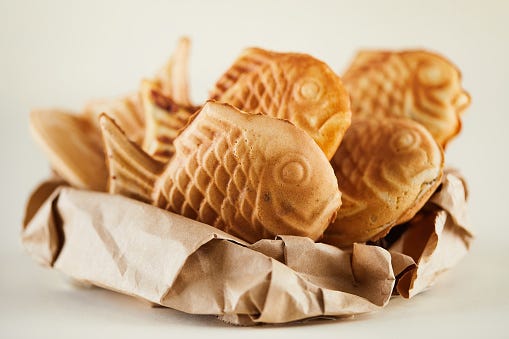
164,120
291,86
386,170
418,84
73,147
250,175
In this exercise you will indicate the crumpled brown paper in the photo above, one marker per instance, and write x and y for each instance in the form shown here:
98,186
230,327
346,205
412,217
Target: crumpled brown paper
140,250
437,237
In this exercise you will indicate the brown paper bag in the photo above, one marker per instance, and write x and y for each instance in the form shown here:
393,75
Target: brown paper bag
169,260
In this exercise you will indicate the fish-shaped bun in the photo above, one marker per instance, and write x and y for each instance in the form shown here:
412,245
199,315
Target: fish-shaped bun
164,120
291,86
252,176
73,147
418,84
386,168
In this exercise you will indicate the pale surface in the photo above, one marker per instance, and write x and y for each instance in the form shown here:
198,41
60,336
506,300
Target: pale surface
61,54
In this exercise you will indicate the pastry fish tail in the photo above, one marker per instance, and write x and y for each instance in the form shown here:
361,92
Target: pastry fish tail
164,119
173,78
132,172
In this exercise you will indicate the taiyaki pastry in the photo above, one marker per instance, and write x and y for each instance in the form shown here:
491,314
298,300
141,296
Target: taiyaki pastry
164,120
386,168
72,146
418,84
291,86
252,176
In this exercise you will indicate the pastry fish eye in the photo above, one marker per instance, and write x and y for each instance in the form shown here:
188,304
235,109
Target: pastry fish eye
404,140
308,89
292,169
431,74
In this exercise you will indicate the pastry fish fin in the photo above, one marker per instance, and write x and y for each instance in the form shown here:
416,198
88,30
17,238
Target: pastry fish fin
67,139
173,78
250,60
164,120
132,172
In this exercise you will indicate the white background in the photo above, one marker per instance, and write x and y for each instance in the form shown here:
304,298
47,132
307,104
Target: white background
62,53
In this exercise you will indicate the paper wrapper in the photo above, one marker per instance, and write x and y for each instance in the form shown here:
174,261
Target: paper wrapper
437,237
166,259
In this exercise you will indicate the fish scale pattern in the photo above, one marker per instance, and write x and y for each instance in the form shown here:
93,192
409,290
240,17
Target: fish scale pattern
380,88
261,91
351,166
214,186
367,174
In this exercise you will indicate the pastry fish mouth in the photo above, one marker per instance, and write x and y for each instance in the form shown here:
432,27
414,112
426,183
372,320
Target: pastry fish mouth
461,101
